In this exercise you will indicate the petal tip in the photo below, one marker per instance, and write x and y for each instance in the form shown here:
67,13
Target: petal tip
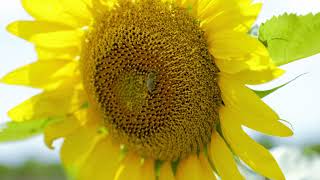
288,132
48,142
12,28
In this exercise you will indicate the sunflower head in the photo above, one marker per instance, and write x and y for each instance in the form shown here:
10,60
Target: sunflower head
147,67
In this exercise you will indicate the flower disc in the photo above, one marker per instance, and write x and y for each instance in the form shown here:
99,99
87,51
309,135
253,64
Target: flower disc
147,68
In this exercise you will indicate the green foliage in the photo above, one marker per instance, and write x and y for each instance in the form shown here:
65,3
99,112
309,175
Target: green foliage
265,93
291,37
311,150
13,131
32,170
267,143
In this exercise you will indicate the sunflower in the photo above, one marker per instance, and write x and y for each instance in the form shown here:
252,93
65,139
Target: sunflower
149,89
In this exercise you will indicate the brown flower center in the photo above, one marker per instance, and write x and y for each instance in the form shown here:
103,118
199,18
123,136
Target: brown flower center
147,67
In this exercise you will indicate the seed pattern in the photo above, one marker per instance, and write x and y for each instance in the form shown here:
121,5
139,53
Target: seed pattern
147,68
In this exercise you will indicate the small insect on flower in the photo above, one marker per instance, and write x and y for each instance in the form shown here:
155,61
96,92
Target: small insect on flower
151,81
163,83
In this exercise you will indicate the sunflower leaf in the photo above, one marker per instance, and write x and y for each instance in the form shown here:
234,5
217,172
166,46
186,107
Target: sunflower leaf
14,131
265,93
290,37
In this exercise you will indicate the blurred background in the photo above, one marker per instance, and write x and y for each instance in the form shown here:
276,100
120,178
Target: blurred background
298,103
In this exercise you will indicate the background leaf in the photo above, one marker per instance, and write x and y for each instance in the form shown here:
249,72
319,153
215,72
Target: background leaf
265,93
291,37
13,131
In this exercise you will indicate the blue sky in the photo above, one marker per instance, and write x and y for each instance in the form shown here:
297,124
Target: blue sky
297,103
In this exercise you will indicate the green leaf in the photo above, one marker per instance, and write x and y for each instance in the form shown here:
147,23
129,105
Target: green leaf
14,131
265,93
291,37
314,149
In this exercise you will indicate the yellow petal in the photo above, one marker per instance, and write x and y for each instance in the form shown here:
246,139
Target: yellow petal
59,39
243,99
26,29
41,73
274,128
73,13
238,53
57,53
221,15
53,103
206,168
232,66
166,172
99,7
203,4
77,144
59,129
251,71
235,46
66,126
259,76
148,170
222,159
102,162
253,154
130,168
78,9
191,168
188,168
250,109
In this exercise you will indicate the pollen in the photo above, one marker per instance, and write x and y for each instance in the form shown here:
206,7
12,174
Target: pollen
147,68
